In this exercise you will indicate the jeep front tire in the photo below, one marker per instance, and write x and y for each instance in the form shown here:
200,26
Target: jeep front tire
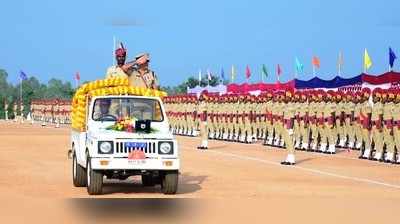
169,183
94,180
78,173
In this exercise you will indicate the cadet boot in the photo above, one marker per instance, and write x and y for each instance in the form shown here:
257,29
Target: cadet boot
378,156
322,147
297,145
331,149
314,147
366,154
389,158
290,160
304,146
342,143
270,140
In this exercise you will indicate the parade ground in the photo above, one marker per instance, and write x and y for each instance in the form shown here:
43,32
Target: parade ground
230,182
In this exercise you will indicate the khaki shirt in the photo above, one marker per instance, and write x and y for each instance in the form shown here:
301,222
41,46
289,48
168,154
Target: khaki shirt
387,111
288,110
396,112
377,110
115,71
147,80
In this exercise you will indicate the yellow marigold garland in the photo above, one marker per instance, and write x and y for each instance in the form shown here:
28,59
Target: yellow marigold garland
104,87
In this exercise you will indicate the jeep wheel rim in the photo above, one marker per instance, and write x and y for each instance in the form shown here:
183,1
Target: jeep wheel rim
88,173
74,167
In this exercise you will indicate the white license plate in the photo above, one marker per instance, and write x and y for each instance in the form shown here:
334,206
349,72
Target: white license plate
137,161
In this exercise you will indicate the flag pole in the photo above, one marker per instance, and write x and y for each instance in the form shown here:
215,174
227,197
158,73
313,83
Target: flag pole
20,96
113,56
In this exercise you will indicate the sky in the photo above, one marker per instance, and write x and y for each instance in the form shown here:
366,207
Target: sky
49,39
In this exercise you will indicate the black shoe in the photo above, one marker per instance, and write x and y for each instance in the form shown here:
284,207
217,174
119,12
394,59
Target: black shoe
373,159
362,157
287,163
199,147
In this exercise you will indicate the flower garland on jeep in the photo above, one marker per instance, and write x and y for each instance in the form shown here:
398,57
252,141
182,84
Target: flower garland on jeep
104,87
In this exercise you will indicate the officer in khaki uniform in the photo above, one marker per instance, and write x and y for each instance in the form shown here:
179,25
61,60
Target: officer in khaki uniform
6,109
119,70
278,120
396,125
287,128
304,121
349,114
313,109
203,109
377,126
357,134
143,76
366,123
388,104
329,122
320,106
340,118
296,126
269,118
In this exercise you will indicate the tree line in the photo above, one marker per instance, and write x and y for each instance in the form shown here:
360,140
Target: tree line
32,89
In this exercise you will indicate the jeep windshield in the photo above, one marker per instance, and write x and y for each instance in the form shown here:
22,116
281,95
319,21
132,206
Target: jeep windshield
111,109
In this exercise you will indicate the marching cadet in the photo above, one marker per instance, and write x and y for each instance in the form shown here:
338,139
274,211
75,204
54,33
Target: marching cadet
237,117
203,107
247,119
320,106
15,111
357,134
269,118
304,121
32,112
217,117
365,120
44,111
377,119
329,132
262,116
312,111
287,130
388,139
240,118
225,118
396,125
296,123
340,118
348,115
21,111
276,119
56,112
6,109
233,118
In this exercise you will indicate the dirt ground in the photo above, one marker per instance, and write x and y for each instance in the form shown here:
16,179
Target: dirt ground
229,183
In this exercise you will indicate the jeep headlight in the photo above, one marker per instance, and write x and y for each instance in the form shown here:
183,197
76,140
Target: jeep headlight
165,148
105,147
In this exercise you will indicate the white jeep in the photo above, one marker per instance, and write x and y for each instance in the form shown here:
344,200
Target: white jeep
150,150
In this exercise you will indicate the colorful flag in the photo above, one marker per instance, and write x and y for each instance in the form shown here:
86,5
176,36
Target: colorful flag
264,71
392,58
77,76
209,74
316,62
233,73
22,75
367,61
248,72
299,67
222,74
